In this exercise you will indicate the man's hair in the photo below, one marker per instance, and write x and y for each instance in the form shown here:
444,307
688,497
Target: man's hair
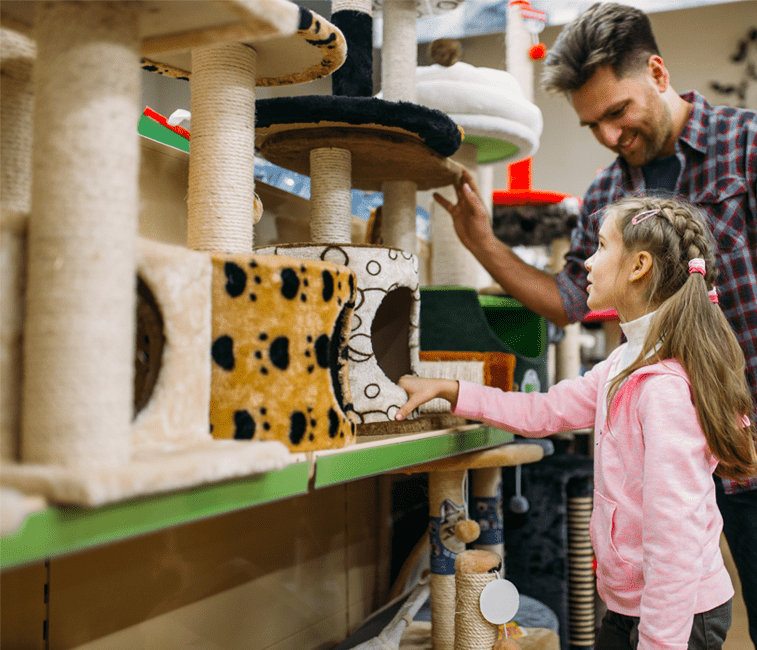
604,35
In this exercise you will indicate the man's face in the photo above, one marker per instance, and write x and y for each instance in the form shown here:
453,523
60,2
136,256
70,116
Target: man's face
628,116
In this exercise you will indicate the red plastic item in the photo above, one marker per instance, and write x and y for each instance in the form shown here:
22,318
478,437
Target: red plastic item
526,197
594,316
538,51
148,112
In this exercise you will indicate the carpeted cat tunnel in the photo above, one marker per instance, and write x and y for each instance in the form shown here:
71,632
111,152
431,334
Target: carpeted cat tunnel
103,419
352,140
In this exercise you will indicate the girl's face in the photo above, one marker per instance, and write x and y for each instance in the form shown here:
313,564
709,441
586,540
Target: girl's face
608,275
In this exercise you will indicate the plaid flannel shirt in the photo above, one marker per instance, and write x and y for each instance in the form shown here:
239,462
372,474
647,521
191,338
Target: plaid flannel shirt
718,155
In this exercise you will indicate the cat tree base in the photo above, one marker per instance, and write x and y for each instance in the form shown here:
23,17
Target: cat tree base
417,636
148,472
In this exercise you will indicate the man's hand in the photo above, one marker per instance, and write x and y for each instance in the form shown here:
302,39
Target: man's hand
469,215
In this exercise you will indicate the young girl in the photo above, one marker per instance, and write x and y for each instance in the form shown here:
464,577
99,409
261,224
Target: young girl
669,408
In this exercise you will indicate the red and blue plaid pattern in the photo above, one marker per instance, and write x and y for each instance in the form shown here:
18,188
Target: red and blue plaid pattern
718,155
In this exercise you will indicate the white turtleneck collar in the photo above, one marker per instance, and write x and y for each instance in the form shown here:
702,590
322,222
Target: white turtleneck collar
635,332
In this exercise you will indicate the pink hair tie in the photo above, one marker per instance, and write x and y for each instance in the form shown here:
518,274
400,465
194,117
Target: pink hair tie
696,265
713,294
643,216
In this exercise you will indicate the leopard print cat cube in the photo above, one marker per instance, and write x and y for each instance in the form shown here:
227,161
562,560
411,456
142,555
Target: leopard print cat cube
280,327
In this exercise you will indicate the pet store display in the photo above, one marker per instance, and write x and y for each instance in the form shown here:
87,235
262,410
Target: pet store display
83,310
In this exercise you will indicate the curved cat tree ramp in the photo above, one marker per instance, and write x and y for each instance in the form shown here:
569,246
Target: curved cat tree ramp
79,443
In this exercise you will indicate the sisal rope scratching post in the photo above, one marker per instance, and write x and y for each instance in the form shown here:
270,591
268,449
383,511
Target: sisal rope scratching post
521,66
222,165
398,62
331,196
17,53
399,215
399,56
474,570
568,351
444,487
517,43
486,509
452,264
331,176
79,333
581,580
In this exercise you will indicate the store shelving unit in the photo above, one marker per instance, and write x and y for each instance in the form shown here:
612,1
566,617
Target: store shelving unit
58,530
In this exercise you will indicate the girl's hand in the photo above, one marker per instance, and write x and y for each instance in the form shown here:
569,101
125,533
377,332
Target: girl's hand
422,389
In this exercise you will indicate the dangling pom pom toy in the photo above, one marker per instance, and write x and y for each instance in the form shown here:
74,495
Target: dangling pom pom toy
538,51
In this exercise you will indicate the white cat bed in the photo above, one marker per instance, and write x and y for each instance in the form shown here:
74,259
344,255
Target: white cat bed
385,339
488,104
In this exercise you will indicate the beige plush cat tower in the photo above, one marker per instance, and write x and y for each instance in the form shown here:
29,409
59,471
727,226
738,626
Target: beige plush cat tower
78,440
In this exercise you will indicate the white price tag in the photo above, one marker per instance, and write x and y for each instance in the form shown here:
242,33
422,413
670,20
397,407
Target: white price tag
499,601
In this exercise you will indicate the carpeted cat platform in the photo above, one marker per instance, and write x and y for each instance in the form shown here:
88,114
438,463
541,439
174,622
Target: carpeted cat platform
315,49
387,140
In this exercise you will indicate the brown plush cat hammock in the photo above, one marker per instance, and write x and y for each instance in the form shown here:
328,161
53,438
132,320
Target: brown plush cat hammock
78,443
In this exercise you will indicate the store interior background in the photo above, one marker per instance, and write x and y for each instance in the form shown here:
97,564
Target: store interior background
302,573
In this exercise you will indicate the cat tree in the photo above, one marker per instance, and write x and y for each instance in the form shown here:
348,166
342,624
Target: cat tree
78,443
350,139
500,125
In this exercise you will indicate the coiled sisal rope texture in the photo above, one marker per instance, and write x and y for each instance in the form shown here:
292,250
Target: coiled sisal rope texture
221,168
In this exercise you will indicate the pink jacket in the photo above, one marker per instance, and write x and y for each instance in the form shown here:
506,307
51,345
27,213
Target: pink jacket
656,526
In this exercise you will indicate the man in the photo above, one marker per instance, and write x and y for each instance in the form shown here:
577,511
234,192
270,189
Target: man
608,66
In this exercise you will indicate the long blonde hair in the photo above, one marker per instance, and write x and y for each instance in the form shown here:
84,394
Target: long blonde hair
688,327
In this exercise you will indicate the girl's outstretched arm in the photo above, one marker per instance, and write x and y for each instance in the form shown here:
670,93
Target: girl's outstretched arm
422,389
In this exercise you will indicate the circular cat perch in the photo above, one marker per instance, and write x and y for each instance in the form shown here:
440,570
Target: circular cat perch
382,140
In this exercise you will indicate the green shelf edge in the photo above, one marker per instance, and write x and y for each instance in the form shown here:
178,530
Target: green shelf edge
56,531
353,464
151,129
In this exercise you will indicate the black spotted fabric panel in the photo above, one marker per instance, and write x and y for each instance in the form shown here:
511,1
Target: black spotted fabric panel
280,327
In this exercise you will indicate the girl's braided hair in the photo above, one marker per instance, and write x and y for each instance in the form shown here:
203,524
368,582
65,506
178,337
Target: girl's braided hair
688,327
